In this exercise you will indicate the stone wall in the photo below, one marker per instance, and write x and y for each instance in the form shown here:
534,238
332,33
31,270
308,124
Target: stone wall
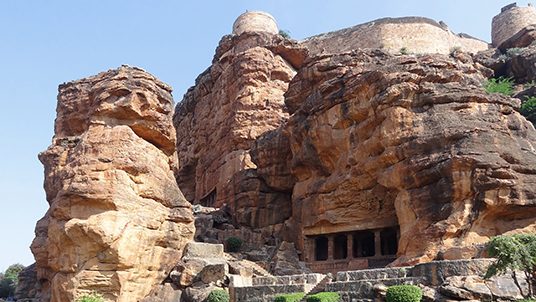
261,289
439,280
511,20
395,35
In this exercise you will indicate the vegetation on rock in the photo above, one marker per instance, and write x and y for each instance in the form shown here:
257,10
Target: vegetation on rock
284,33
295,297
403,293
218,295
9,280
324,297
515,254
528,109
512,52
234,244
93,297
500,85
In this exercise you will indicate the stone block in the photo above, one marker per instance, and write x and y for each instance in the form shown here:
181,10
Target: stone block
203,250
213,271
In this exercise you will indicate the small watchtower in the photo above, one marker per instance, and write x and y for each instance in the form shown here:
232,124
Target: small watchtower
255,21
510,21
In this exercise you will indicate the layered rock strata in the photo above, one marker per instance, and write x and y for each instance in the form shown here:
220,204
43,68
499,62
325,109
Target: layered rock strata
378,140
235,101
117,220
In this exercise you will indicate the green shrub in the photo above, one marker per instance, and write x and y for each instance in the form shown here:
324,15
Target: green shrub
514,253
295,297
234,244
404,51
93,297
526,300
9,280
529,84
403,293
500,85
284,33
528,109
7,288
324,297
512,52
218,295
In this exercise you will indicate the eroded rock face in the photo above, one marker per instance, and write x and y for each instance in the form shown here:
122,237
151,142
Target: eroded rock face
379,140
235,101
117,220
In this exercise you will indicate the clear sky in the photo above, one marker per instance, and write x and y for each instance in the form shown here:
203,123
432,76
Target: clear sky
45,43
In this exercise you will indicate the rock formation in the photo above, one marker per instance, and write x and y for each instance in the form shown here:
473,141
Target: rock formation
236,100
321,151
375,142
380,140
117,220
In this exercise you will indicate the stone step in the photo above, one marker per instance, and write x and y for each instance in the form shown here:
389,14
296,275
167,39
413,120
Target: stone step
263,293
364,289
311,279
374,274
320,286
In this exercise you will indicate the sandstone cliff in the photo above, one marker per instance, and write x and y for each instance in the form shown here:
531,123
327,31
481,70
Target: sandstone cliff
365,140
236,100
295,141
117,220
378,140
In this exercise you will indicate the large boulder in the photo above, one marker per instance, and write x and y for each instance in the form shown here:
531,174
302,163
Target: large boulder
117,221
412,141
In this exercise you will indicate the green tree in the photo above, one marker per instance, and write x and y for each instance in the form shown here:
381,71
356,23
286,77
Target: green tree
12,272
284,33
514,253
9,280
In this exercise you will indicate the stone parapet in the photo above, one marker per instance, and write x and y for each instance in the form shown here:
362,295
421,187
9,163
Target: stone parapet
395,35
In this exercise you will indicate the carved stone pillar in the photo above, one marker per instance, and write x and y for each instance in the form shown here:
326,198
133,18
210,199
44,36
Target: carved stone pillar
377,244
330,247
309,249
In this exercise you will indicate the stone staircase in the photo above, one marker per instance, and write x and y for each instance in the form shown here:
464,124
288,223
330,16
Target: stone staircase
257,269
318,287
262,289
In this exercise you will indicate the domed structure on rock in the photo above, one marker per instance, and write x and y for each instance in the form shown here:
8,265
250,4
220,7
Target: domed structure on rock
510,21
255,21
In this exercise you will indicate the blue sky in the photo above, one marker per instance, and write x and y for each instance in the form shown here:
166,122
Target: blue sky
45,43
